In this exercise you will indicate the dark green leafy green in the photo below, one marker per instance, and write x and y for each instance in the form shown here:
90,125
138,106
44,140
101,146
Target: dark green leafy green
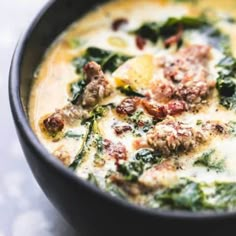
153,30
128,91
186,195
143,160
226,82
194,196
225,196
108,60
90,123
79,157
207,160
77,89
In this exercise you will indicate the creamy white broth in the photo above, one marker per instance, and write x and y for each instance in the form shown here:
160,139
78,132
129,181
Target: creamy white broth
51,91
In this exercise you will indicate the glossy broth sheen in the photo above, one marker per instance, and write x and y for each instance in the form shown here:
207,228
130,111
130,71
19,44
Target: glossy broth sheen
161,128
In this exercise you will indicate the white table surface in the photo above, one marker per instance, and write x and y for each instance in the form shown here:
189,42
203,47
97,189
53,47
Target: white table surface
24,209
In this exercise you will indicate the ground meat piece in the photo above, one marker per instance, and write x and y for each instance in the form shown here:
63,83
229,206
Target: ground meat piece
171,136
158,111
116,24
98,86
176,107
120,129
188,63
62,155
163,90
53,124
116,151
128,106
193,92
93,71
72,113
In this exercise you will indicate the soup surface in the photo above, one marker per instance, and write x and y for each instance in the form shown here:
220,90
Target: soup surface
139,98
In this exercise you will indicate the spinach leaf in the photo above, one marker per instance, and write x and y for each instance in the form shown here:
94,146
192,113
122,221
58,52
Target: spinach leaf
91,128
224,196
226,82
143,160
195,196
77,89
84,146
153,30
206,159
131,170
108,60
128,91
186,195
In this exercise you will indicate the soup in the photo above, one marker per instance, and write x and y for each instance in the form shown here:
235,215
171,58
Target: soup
143,104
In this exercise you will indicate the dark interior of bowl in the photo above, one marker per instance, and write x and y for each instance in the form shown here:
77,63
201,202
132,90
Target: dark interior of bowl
89,212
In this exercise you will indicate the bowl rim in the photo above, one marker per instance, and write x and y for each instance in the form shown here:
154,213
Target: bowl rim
22,123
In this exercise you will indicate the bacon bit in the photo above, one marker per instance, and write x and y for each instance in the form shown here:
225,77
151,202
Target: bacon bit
122,129
127,107
158,112
140,42
118,23
175,38
116,151
176,107
53,124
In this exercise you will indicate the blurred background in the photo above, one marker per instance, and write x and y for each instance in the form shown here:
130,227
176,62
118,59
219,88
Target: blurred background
24,209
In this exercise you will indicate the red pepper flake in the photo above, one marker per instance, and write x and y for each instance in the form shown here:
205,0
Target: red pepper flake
118,23
140,42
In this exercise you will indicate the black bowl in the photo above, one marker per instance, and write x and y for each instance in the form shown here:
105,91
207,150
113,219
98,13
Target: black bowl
86,208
